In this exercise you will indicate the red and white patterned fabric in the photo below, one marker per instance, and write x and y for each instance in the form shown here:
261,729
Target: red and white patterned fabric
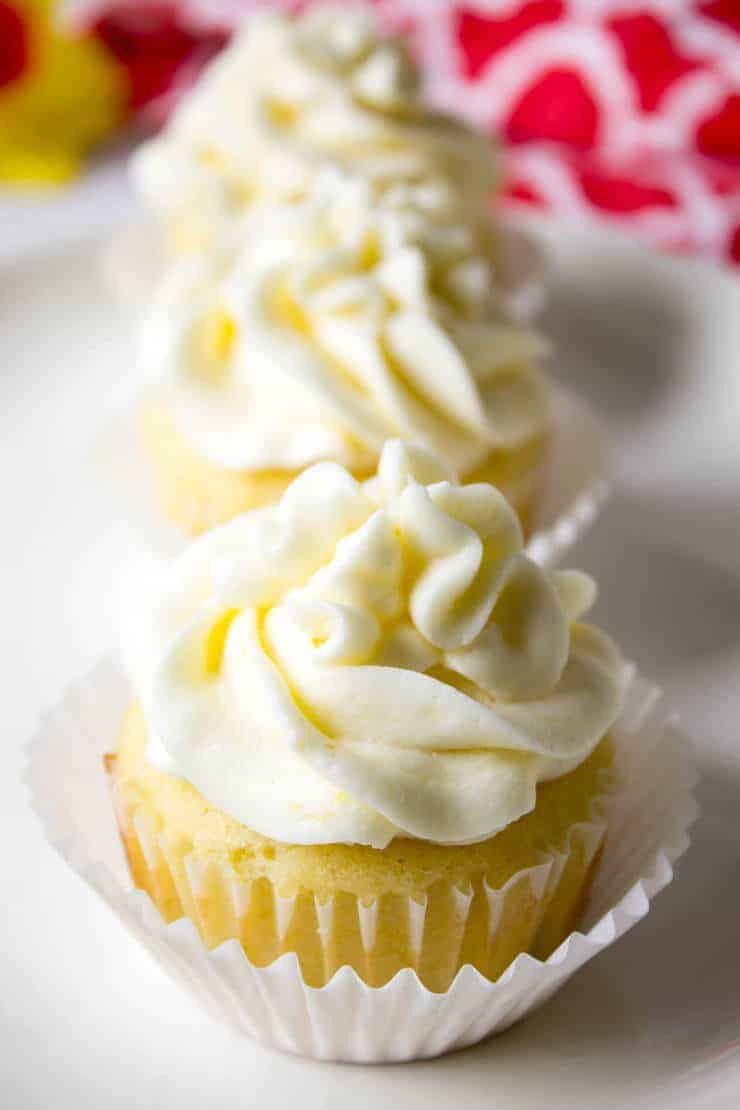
618,110
612,110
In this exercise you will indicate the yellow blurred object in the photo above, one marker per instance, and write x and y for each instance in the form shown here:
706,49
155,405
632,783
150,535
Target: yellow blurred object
68,95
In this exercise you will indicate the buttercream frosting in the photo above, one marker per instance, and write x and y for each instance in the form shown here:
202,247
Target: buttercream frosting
367,660
336,323
288,96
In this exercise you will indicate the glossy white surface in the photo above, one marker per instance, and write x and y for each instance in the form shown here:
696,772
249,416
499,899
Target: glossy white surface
88,1021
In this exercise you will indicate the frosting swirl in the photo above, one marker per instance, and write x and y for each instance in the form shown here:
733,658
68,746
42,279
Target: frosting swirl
337,323
290,95
369,660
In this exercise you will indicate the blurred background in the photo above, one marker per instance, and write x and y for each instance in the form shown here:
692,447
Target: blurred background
618,111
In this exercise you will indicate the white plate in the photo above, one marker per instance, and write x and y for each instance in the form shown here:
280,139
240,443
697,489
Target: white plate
86,1018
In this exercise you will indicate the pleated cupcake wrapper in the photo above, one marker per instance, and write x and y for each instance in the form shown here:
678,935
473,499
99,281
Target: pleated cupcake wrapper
523,271
518,915
576,478
134,259
647,815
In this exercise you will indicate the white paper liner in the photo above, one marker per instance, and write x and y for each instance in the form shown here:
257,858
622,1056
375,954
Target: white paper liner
577,479
134,259
648,818
523,271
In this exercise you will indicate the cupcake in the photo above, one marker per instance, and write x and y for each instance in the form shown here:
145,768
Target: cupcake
368,730
327,327
289,96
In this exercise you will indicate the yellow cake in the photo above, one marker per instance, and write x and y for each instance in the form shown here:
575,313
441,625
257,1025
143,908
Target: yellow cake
198,494
194,860
369,730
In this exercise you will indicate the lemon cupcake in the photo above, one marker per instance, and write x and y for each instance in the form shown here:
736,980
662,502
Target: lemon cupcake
326,328
369,731
289,96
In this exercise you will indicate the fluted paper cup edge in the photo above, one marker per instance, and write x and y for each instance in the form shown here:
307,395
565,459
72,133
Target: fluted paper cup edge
273,1004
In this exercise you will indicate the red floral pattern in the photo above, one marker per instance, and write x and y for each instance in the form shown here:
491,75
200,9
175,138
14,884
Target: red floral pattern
650,57
13,44
614,110
156,46
558,107
481,37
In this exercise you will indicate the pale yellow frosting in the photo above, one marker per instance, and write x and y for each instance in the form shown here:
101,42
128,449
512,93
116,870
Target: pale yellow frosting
363,661
287,97
336,323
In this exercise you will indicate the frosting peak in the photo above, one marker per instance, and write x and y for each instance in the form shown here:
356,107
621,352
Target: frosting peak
288,96
368,660
337,323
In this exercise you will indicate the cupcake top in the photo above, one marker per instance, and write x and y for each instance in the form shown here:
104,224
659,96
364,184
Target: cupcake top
336,323
285,97
370,660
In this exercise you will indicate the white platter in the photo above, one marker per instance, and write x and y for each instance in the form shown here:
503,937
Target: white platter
87,1020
